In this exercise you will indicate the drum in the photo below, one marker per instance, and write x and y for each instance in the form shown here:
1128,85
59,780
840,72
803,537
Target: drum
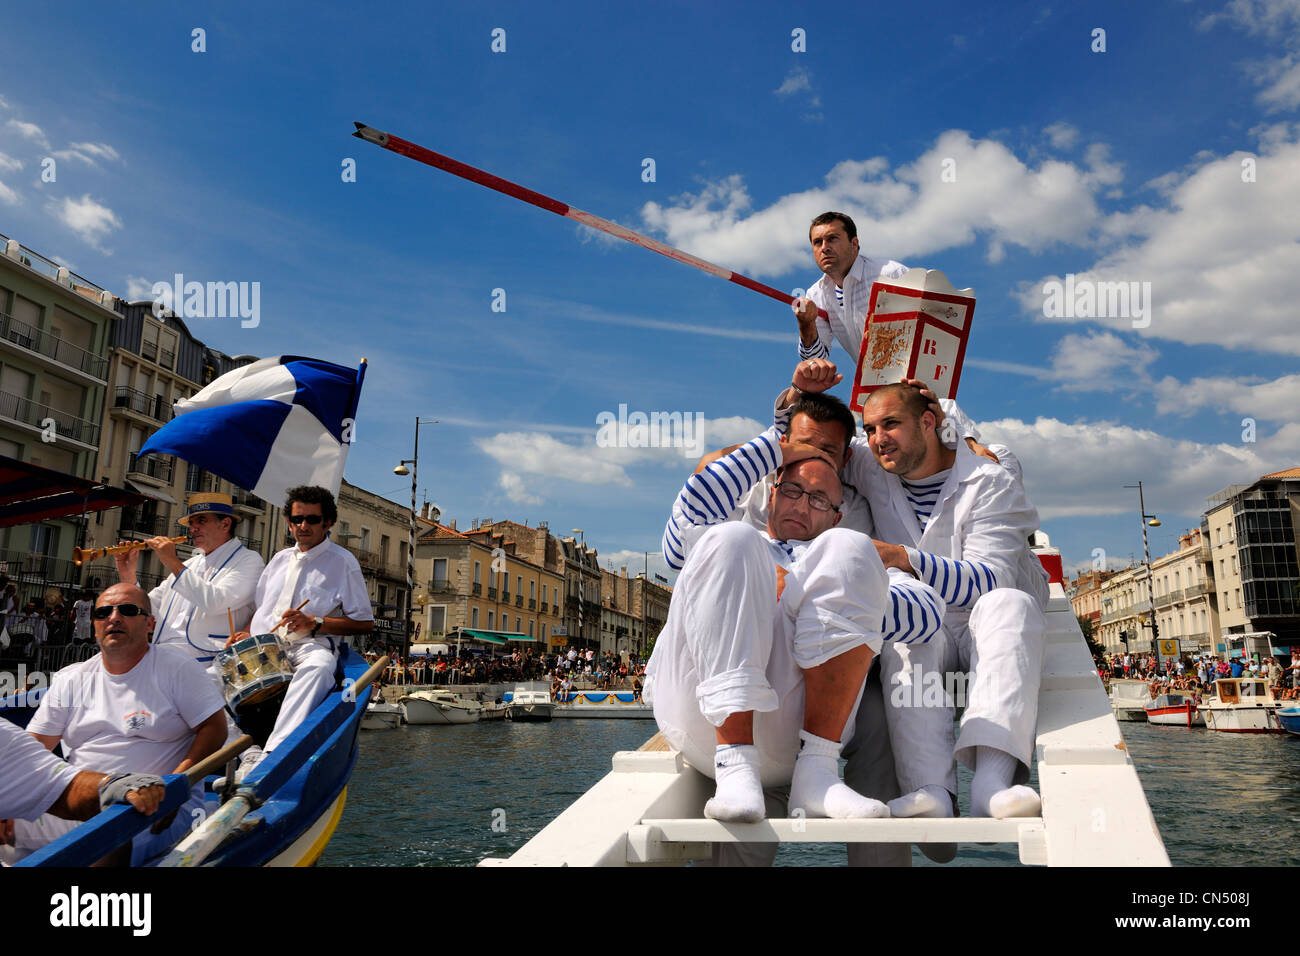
254,670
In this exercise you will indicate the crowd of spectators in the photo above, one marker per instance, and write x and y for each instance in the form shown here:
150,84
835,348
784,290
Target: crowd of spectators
1195,675
42,619
568,670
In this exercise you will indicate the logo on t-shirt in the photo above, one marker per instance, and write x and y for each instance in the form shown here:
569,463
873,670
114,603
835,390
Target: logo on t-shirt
136,721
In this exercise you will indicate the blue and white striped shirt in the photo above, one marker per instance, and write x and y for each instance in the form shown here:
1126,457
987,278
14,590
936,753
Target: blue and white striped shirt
959,583
923,494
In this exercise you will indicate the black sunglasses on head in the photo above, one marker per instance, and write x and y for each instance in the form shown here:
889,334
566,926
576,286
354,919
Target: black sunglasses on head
310,519
105,611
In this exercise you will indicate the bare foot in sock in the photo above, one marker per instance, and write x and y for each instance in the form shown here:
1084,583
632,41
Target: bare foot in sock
817,789
1018,801
739,796
929,801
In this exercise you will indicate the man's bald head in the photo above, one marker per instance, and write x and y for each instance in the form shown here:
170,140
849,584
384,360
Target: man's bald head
126,594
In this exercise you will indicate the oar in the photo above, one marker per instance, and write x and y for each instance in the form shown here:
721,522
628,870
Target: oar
418,153
196,847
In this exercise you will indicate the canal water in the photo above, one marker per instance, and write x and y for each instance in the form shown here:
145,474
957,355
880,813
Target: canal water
450,796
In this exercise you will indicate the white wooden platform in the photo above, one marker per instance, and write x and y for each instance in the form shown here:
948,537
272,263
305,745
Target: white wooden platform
649,809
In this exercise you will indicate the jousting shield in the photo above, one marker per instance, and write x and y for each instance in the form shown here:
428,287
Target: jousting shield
917,326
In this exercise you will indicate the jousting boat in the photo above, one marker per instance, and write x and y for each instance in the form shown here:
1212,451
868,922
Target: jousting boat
606,704
649,809
1174,710
282,814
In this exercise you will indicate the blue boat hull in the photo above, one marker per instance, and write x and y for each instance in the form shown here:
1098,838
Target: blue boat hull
1289,718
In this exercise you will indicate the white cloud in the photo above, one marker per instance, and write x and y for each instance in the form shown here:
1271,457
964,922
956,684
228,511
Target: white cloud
8,196
29,131
1101,361
907,211
797,80
138,287
1223,258
1276,21
587,313
4,104
8,164
1080,469
89,219
88,153
1275,401
546,456
636,563
514,488
1062,135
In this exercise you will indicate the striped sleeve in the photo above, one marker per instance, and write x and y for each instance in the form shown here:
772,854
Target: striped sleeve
914,614
819,349
713,495
959,583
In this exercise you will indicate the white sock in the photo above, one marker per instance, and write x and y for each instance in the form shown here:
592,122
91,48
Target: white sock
991,792
816,788
739,796
929,801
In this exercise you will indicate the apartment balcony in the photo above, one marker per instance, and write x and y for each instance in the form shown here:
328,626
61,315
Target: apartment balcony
148,526
532,604
492,593
246,501
476,589
367,559
158,468
519,600
53,352
252,544
546,608
440,584
25,567
131,401
67,427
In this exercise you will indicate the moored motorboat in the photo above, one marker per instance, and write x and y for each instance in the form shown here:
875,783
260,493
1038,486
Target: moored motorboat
440,707
495,710
531,702
1289,719
1128,699
1174,710
383,715
1242,705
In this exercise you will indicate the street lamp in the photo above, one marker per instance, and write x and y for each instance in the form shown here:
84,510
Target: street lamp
1154,522
582,583
401,469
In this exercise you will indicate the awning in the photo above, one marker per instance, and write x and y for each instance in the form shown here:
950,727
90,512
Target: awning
30,493
495,637
149,492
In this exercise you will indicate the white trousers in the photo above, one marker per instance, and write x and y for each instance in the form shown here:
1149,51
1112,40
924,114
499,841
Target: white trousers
995,660
314,662
729,646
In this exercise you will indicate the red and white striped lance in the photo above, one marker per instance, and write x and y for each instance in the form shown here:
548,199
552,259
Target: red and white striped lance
427,156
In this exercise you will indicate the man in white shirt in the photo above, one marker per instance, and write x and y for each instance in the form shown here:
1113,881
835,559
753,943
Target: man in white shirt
843,291
312,594
81,629
36,782
131,707
192,604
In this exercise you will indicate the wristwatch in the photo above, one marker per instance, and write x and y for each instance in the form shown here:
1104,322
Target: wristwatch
320,621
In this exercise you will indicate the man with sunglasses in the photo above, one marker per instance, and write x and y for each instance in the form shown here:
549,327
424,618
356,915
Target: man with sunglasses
220,577
130,708
311,594
757,617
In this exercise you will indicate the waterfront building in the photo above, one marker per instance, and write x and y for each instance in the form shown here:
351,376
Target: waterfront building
620,629
55,328
1085,596
155,361
1252,533
377,532
582,593
482,580
650,600
1184,595
1124,625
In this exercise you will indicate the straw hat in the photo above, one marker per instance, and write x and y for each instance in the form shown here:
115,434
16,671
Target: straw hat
209,503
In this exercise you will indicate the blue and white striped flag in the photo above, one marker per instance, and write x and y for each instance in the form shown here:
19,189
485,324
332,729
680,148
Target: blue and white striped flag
269,426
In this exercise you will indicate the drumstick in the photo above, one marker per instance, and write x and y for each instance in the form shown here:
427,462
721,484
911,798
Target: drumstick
231,618
298,608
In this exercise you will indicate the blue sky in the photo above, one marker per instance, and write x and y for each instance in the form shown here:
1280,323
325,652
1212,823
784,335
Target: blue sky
1117,165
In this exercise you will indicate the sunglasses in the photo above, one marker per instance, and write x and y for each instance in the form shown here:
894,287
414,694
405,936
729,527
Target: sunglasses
310,519
105,611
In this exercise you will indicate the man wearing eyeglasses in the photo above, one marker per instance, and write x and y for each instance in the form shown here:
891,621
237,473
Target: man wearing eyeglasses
759,616
130,708
312,594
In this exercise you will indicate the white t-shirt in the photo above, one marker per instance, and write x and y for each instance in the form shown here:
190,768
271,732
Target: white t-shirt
139,722
32,777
